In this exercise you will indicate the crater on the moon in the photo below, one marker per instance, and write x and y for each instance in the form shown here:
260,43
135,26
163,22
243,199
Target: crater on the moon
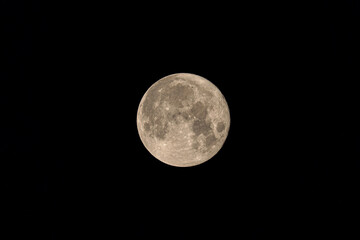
181,112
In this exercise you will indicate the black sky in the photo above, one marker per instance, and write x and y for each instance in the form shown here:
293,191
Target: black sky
73,74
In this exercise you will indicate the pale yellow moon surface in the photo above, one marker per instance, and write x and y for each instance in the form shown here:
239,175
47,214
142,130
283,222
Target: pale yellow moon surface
183,120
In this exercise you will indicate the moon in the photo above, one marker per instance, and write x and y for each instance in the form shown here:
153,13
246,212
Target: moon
183,120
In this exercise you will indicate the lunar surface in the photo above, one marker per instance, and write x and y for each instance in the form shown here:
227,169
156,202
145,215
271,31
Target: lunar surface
183,120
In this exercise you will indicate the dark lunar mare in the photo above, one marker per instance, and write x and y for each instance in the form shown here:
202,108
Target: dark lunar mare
220,127
202,124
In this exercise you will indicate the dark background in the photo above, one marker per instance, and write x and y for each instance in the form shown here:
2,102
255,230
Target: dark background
73,74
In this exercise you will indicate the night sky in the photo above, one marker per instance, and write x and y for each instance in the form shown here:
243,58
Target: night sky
73,166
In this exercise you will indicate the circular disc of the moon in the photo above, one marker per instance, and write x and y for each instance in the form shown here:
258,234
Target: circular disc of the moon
183,120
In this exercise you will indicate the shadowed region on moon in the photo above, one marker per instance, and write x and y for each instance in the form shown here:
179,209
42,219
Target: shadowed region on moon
183,120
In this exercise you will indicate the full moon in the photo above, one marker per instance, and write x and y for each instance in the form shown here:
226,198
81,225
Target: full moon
183,120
